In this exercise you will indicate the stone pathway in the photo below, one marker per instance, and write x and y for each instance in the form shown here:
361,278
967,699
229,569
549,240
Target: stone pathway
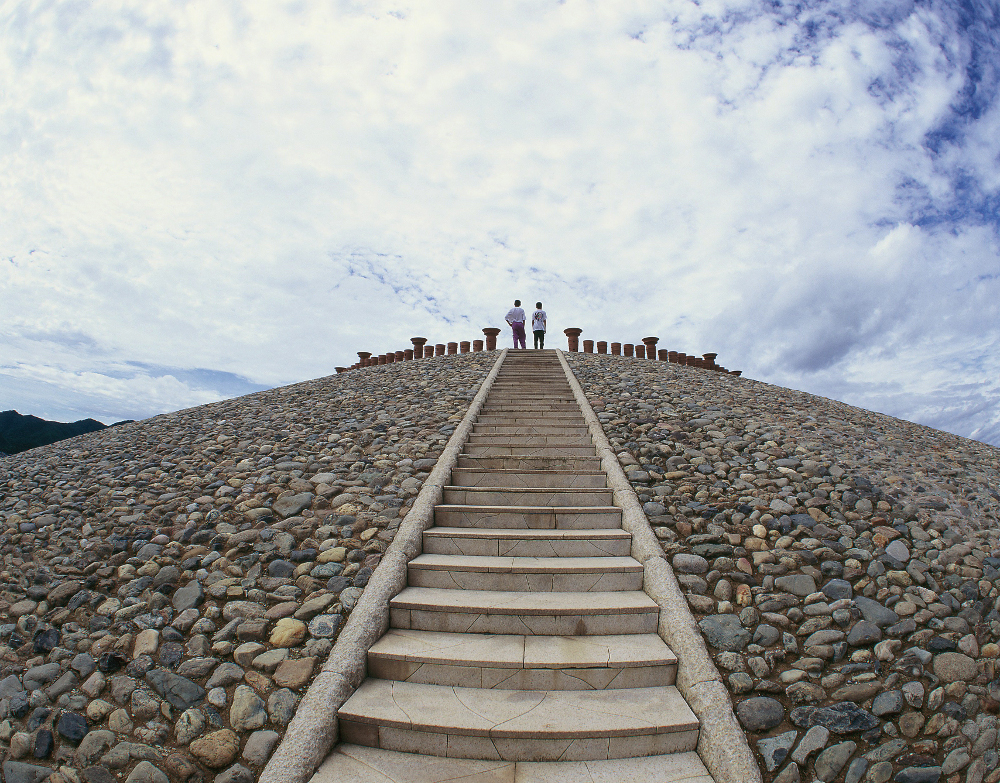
523,648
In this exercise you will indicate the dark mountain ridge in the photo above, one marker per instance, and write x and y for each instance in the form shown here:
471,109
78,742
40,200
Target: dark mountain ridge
20,433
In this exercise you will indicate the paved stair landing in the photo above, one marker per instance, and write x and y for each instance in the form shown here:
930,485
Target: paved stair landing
523,648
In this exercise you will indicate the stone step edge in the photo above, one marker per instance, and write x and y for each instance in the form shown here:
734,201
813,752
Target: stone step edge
528,533
491,602
489,564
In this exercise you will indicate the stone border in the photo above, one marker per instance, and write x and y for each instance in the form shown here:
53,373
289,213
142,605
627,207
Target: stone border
722,744
313,731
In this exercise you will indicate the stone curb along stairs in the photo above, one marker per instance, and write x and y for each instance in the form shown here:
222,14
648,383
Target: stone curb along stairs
527,642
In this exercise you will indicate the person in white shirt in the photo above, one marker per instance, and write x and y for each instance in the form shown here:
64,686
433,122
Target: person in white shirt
515,317
538,325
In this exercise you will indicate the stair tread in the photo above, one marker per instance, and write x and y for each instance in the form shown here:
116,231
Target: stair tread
625,712
360,764
529,509
523,533
513,651
496,602
520,565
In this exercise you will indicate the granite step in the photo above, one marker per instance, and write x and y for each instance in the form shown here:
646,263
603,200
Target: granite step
500,542
516,725
568,462
519,662
524,574
532,517
535,614
531,478
522,496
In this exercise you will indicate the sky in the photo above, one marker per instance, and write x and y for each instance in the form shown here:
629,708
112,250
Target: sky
203,199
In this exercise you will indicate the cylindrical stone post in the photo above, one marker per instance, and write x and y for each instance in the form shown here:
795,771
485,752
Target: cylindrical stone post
588,346
640,351
628,349
439,349
650,343
692,361
602,346
428,351
408,355
616,349
390,357
418,346
672,356
664,354
452,348
381,359
491,338
464,346
364,356
573,338
710,359
682,358
400,355
477,345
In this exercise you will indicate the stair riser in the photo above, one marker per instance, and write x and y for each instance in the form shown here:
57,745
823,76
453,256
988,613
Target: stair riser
515,749
526,450
529,440
541,429
509,419
478,478
607,678
503,547
519,498
456,621
534,583
554,520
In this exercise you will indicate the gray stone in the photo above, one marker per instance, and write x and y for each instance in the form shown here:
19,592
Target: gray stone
919,775
325,626
886,751
874,612
18,772
760,713
37,676
236,774
281,706
247,711
813,740
725,632
190,724
958,759
188,597
765,635
796,584
888,703
145,772
690,564
842,718
953,667
837,589
226,674
775,749
9,686
864,633
789,774
897,551
829,763
259,747
93,745
293,504
856,771
879,773
181,692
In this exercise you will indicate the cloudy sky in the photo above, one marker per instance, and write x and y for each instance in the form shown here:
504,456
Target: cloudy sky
201,199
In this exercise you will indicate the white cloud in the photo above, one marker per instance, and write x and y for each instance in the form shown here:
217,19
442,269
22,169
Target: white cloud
264,189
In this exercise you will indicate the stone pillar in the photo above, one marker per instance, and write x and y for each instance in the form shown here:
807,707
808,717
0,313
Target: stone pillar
439,349
682,358
452,348
602,346
588,346
692,361
428,351
477,345
400,355
465,346
573,338
640,351
381,358
491,338
710,359
408,355
390,357
418,346
664,354
650,343
628,349
364,356
340,370
672,356
616,349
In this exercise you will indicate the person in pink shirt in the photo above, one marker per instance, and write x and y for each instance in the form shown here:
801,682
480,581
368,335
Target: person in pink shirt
516,318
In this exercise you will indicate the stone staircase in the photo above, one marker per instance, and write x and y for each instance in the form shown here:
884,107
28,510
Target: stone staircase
523,648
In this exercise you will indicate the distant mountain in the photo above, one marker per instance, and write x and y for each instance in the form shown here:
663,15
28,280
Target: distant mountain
20,433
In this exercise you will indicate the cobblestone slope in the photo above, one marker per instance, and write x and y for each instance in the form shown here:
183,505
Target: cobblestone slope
843,566
169,587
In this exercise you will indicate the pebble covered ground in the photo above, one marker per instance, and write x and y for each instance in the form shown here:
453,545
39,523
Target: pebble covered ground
168,588
843,566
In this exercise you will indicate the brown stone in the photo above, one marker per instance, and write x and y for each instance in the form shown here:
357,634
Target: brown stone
640,351
491,333
628,349
477,345
216,749
439,349
294,672
588,346
602,346
616,349
650,343
573,338
418,346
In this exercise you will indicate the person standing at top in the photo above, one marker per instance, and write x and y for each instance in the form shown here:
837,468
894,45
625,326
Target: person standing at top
538,325
515,317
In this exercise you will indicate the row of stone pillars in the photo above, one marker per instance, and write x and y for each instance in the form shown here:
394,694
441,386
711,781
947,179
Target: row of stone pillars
646,350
